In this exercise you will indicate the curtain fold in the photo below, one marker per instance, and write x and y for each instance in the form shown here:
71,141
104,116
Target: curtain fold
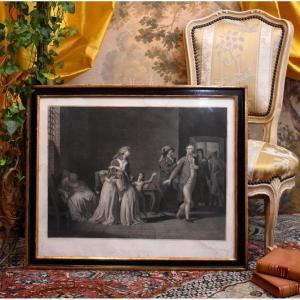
289,11
79,52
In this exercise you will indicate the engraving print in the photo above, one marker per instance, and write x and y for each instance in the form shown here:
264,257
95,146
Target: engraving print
137,172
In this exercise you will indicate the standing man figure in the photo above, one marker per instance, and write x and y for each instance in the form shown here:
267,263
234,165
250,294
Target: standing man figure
201,192
186,170
167,163
217,173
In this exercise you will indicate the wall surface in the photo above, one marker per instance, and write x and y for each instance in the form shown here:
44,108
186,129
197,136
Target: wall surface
146,131
143,45
90,137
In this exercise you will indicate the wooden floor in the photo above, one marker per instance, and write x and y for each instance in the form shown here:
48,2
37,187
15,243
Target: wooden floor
207,225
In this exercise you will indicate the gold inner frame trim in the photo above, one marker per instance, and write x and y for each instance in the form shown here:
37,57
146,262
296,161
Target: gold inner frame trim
233,97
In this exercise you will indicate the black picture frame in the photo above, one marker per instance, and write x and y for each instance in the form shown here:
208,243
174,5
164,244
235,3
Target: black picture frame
182,93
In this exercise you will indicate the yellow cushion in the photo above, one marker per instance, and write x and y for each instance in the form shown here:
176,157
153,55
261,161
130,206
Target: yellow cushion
239,53
266,161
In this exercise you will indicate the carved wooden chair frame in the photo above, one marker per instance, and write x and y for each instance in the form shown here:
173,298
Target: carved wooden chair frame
273,190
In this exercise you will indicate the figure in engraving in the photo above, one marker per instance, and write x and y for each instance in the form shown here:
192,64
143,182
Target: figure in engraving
186,170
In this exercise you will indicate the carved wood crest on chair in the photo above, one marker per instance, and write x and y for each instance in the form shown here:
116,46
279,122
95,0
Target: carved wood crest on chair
250,49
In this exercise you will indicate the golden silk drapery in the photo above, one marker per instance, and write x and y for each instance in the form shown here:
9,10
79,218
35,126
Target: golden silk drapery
289,11
79,52
91,20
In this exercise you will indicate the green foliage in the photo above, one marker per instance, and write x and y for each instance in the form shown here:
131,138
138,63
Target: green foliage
68,7
166,41
39,28
14,117
152,31
165,65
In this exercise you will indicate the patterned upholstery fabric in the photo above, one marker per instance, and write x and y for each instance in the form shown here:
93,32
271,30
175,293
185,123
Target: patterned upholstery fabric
239,53
266,161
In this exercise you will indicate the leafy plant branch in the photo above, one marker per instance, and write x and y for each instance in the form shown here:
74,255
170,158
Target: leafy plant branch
29,39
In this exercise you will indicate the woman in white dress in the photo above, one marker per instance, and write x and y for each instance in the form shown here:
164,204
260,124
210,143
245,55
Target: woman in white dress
118,200
129,210
108,209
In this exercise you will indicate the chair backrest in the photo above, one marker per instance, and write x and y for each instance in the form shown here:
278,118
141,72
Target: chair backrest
248,48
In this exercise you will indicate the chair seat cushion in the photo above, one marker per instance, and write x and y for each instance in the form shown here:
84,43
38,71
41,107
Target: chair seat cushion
266,161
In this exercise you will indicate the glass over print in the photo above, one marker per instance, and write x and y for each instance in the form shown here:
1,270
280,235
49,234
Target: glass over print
145,175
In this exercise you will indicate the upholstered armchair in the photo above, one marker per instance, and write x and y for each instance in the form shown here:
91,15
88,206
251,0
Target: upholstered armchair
249,49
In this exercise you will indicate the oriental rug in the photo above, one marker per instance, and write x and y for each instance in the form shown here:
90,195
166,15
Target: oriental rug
17,282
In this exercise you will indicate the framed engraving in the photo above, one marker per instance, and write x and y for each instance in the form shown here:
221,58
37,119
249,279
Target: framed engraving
137,177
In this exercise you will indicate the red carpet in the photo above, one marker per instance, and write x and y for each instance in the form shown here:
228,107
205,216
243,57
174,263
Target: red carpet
20,283
17,282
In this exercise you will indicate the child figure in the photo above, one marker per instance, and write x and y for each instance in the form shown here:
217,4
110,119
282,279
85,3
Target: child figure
139,185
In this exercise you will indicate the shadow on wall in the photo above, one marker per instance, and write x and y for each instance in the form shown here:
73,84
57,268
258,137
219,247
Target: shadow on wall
91,137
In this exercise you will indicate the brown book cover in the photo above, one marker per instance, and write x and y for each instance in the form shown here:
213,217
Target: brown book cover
281,262
278,287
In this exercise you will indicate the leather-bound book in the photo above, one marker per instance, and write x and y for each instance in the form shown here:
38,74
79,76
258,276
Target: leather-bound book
278,287
281,262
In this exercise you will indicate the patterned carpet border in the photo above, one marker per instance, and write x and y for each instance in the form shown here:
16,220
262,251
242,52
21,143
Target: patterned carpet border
17,282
